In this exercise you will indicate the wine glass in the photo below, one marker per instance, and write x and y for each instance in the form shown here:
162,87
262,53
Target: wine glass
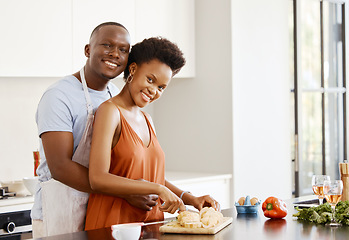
318,186
333,194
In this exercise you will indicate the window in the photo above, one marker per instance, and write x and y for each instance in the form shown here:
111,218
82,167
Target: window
318,90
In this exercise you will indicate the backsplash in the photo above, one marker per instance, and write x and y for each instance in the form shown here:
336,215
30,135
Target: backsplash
19,98
18,131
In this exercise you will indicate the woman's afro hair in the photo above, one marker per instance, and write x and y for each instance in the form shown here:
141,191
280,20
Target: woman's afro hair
156,48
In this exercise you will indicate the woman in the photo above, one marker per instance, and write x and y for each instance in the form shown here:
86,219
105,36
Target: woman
125,157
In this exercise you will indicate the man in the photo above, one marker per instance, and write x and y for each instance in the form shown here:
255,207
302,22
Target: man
64,118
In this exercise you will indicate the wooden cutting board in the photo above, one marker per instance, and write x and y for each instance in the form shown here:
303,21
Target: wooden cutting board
174,227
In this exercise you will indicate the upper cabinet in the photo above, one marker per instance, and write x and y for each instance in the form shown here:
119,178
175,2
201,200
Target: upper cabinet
47,38
36,37
172,19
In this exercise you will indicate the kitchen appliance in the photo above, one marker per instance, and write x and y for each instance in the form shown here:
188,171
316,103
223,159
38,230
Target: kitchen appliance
5,193
16,186
15,221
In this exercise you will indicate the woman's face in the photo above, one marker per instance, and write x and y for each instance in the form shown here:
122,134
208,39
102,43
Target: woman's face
149,81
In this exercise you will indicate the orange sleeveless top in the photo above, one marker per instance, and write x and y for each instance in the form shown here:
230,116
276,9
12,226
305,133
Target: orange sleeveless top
130,158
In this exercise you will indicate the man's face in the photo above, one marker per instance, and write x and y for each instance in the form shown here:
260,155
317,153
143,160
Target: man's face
108,51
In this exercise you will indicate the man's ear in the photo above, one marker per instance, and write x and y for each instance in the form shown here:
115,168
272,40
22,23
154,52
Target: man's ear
87,50
132,68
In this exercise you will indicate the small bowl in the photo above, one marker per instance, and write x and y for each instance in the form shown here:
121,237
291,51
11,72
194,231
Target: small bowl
247,208
30,183
127,231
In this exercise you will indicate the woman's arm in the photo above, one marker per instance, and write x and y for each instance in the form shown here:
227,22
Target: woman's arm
189,199
106,122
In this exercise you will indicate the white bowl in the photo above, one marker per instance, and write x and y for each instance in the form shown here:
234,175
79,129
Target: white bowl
127,231
30,183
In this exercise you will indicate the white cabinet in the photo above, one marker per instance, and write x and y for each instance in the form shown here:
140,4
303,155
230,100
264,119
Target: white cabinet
35,38
172,19
47,38
87,14
199,184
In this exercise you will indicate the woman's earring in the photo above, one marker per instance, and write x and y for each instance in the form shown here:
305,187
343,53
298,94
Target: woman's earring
129,78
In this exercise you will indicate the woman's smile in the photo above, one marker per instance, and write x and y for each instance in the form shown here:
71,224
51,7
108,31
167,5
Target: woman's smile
146,97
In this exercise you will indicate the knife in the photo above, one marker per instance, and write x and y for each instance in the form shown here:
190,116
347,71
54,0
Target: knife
151,223
141,223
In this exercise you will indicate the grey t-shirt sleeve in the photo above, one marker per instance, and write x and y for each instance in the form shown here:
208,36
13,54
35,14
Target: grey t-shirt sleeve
53,113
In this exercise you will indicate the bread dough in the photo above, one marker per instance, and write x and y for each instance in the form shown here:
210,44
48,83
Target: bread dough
208,217
188,217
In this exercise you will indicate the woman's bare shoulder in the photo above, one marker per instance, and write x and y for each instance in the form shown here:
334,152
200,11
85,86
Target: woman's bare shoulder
108,109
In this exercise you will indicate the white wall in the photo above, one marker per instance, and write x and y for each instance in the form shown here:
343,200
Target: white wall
261,93
193,117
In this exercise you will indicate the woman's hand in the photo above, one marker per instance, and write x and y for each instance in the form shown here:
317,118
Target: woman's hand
171,203
205,201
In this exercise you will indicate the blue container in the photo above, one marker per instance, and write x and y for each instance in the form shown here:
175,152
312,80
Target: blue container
247,207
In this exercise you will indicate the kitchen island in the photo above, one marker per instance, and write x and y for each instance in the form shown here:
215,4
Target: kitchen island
243,227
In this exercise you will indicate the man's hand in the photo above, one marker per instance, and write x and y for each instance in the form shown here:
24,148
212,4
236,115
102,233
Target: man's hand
144,202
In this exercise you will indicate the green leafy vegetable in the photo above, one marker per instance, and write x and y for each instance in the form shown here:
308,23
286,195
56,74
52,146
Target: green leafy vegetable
323,214
342,213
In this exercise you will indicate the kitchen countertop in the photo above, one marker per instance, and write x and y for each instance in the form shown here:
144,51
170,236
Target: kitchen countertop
193,177
244,226
13,204
16,200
